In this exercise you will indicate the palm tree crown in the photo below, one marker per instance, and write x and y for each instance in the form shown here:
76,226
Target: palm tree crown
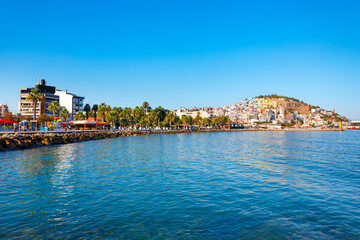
54,107
95,109
87,109
64,114
145,106
35,97
79,116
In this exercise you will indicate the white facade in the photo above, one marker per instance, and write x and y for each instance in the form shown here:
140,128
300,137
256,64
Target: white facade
192,113
71,102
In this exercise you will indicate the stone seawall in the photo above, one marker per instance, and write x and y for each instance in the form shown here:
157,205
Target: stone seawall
29,140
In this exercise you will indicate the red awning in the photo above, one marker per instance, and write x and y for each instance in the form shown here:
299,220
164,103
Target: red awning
7,121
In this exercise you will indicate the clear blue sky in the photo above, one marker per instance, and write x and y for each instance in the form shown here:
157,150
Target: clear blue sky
184,53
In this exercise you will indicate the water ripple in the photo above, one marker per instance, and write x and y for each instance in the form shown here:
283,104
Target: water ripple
246,185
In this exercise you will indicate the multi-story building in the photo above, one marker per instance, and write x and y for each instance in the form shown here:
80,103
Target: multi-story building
48,95
73,103
3,110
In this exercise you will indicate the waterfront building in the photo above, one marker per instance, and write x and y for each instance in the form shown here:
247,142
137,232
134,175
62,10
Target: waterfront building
355,124
72,102
183,111
48,94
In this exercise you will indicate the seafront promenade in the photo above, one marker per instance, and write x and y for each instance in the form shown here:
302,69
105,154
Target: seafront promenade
23,140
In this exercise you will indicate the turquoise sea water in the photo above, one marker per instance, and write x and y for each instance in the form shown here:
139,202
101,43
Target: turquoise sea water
241,185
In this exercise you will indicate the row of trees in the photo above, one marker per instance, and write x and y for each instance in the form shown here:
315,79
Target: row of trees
144,115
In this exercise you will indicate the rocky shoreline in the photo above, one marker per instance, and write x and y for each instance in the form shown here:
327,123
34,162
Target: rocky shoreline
29,140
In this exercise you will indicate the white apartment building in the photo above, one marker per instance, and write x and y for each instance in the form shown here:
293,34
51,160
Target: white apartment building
192,113
71,102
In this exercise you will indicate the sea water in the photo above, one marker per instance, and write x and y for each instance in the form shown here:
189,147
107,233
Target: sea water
236,185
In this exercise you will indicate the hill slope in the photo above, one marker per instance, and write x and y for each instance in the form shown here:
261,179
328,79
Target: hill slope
289,104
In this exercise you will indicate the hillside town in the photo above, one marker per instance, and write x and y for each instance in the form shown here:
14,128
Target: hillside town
271,111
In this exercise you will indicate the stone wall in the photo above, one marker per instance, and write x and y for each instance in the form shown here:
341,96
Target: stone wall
22,141
29,140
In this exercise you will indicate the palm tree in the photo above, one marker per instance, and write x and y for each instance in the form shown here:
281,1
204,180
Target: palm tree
137,113
161,112
190,120
145,106
198,118
95,109
183,119
104,110
123,121
64,114
79,116
112,116
54,107
153,117
87,109
226,120
216,121
207,121
170,118
35,97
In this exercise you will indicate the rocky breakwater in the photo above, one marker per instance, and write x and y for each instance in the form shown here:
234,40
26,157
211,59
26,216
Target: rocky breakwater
26,140
22,141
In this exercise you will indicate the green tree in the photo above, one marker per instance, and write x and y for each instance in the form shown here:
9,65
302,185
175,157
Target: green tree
24,117
216,120
123,122
187,120
104,110
153,118
225,120
112,116
198,119
91,114
87,109
170,118
64,114
137,114
43,118
207,121
161,112
34,97
54,106
145,106
79,116
95,109
183,119
190,120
